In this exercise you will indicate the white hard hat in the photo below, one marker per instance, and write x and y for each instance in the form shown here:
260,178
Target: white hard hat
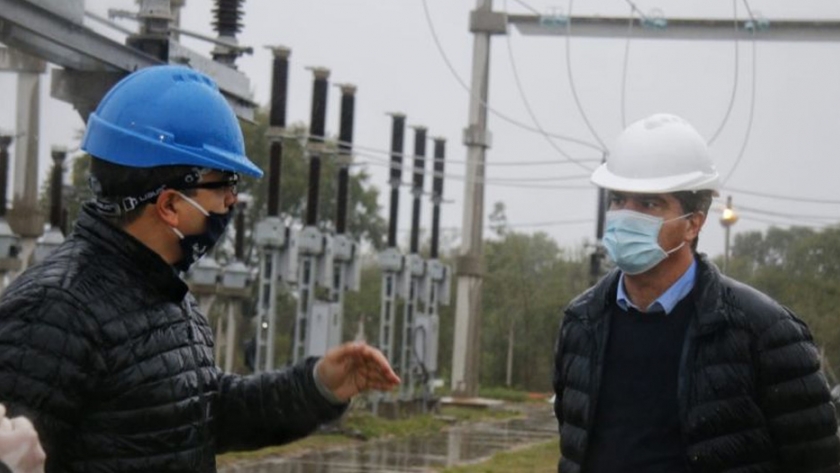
659,154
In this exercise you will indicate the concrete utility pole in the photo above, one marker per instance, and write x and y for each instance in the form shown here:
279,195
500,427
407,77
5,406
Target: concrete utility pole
484,23
24,217
466,347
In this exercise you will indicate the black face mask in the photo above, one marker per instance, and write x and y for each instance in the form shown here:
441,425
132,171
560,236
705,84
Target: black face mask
193,247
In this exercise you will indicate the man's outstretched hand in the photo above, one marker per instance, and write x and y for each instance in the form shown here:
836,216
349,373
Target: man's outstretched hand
353,368
20,449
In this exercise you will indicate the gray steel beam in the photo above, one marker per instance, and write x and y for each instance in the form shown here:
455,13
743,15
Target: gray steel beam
678,28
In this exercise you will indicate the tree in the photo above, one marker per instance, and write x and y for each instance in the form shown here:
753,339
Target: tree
800,268
529,280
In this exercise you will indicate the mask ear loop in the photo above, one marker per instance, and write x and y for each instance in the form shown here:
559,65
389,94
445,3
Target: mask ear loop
194,204
671,251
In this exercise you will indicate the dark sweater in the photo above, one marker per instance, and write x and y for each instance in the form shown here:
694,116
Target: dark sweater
637,425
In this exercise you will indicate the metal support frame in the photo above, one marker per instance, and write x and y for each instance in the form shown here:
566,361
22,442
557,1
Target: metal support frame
55,38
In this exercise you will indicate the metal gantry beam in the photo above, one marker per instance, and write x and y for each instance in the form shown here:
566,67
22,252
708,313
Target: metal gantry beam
696,29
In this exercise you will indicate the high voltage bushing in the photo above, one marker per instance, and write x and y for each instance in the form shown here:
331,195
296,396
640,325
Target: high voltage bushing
345,144
317,127
417,185
397,137
228,14
277,122
437,194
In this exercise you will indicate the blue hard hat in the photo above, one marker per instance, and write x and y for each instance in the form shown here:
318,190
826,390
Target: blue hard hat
167,116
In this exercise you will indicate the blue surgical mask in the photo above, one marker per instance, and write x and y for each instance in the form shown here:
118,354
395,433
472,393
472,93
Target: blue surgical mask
193,247
632,240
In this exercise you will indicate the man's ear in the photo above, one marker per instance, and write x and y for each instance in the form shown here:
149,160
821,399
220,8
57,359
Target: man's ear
695,224
165,207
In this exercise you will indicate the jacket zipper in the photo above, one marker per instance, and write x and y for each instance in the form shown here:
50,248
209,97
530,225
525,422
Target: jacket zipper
596,372
683,382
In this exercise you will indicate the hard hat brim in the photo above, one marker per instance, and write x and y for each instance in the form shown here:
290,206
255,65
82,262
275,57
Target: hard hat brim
693,181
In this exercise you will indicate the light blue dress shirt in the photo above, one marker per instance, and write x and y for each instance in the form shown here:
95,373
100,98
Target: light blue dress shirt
668,300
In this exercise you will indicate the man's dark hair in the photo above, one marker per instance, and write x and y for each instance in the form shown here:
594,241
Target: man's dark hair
114,183
694,201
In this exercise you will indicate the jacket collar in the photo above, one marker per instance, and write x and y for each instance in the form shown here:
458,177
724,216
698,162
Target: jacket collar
591,306
136,257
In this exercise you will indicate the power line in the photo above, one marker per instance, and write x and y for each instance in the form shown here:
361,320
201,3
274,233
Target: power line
529,7
751,115
624,67
783,197
735,79
491,183
527,103
489,163
464,85
742,208
572,80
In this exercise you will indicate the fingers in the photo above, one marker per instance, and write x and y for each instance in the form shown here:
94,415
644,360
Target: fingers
2,410
19,446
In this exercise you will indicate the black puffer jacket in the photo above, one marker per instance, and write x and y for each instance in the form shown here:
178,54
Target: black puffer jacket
105,350
752,397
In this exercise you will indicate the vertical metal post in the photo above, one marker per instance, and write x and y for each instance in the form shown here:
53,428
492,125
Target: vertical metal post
309,267
266,328
408,358
466,344
390,275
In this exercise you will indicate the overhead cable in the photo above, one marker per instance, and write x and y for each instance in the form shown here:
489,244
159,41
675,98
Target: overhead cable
751,115
528,107
572,79
809,200
735,79
495,112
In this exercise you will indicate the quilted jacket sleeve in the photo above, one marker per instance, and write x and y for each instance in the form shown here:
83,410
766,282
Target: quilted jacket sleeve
271,408
795,399
46,367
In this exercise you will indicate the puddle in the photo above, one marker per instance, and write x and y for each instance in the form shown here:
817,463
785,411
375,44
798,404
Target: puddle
460,444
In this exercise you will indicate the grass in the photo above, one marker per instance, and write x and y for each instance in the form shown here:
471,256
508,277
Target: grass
368,426
539,458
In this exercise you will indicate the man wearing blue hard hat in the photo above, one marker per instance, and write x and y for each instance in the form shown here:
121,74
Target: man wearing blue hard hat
668,366
103,347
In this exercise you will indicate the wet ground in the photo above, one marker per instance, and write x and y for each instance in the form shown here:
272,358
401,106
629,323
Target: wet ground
460,444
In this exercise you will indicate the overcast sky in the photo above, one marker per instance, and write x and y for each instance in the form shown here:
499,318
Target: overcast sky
784,112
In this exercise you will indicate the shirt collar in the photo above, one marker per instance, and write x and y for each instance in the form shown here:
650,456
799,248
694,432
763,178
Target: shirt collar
668,300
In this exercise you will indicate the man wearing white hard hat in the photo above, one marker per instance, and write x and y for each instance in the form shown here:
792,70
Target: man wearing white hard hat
668,366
